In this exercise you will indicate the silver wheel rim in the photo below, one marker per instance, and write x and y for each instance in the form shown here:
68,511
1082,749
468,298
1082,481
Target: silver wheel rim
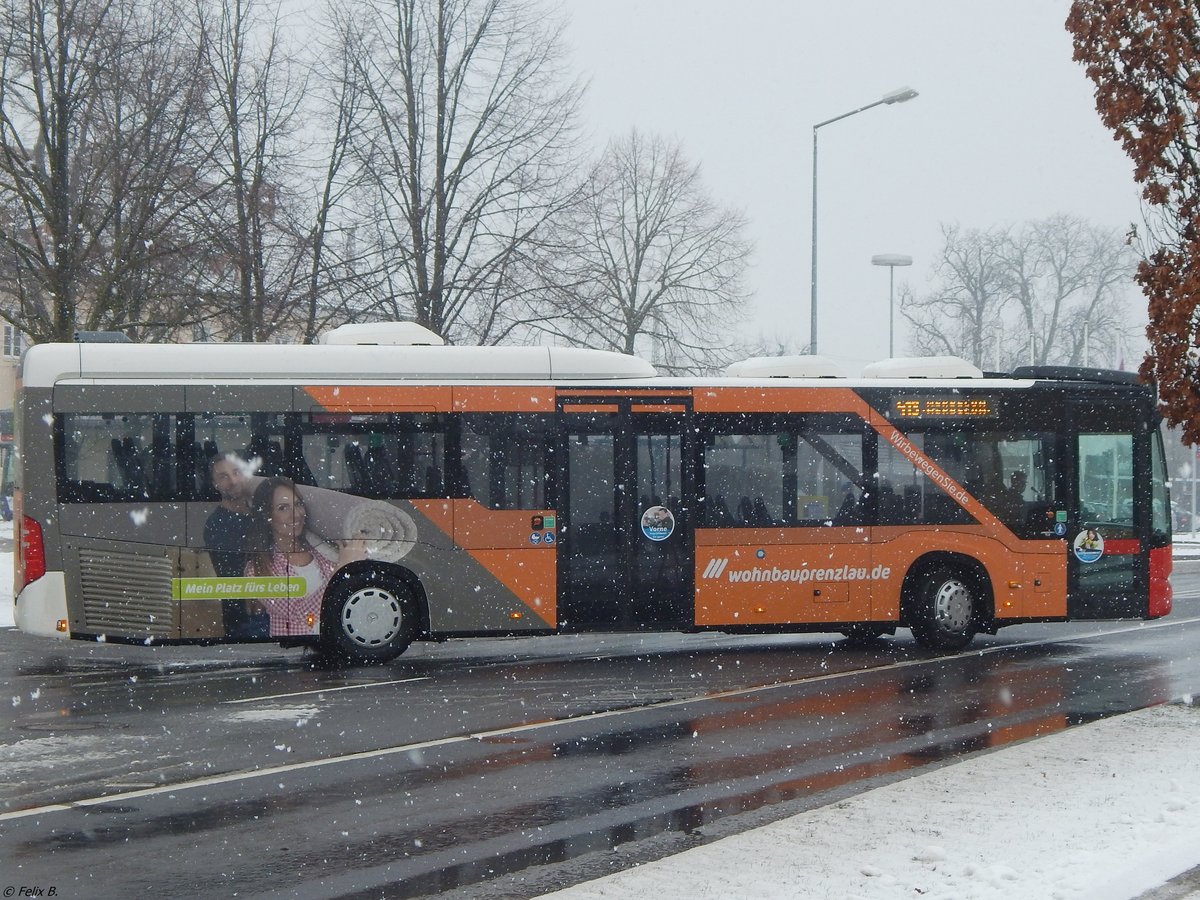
952,606
371,617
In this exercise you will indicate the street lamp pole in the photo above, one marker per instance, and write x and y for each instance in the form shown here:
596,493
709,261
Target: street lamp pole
900,95
891,260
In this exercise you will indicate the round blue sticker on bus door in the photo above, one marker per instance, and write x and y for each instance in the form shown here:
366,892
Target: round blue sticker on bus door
658,523
1089,545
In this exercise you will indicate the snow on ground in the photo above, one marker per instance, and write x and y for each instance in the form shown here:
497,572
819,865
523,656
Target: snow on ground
1104,811
1186,546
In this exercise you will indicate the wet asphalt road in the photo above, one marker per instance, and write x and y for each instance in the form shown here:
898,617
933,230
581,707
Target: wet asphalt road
521,763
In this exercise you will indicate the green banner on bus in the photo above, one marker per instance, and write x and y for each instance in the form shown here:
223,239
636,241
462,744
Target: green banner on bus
259,588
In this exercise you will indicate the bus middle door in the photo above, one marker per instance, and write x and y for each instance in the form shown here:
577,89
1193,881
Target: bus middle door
625,545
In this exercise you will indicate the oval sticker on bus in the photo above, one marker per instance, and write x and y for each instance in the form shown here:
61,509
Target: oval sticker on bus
1089,545
658,523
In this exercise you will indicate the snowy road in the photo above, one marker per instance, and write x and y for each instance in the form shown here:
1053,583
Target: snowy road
247,766
251,770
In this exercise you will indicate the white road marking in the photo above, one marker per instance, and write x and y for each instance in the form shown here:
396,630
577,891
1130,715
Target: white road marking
329,690
271,771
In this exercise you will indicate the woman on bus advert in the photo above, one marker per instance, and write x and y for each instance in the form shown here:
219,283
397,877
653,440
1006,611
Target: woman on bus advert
278,545
270,549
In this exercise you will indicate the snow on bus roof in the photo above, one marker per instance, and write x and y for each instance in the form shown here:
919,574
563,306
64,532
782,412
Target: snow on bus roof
45,365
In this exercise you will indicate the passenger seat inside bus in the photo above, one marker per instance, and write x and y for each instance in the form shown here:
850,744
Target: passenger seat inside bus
762,516
434,483
746,511
269,454
850,512
356,468
129,463
719,513
206,454
380,472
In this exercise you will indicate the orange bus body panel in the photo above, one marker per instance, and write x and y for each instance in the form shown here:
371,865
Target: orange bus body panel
768,576
498,539
534,398
368,398
777,399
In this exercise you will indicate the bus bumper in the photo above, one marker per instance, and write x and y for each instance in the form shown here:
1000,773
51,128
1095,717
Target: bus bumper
42,604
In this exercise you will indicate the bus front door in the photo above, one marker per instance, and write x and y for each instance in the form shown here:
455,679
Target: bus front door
625,544
1106,572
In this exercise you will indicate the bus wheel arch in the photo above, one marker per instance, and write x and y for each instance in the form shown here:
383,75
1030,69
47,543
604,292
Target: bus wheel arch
946,599
371,613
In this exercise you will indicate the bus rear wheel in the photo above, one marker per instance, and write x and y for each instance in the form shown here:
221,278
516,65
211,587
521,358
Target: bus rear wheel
945,609
368,618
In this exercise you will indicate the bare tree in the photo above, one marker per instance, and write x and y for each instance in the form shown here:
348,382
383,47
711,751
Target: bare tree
465,152
257,260
335,269
962,315
1049,291
97,98
1072,281
779,343
652,263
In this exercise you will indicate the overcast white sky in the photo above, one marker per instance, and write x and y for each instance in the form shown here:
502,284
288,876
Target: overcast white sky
1004,131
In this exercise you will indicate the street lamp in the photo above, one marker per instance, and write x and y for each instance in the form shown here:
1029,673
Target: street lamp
891,260
900,95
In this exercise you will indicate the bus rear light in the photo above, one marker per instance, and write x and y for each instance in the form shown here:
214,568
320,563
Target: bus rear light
32,564
1161,592
61,626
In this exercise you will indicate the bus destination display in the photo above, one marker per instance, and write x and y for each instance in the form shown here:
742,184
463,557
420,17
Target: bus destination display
944,408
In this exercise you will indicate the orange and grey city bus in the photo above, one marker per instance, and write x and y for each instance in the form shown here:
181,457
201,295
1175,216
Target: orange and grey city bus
435,492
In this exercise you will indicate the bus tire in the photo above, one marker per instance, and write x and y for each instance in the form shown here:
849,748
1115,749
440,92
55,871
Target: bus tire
945,609
368,618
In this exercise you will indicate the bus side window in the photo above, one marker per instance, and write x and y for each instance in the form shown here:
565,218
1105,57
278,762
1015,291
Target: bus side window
1012,473
389,456
217,435
792,473
117,457
503,460
749,467
908,496
830,477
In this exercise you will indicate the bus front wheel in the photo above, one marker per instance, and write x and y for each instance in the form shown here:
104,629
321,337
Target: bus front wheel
368,618
944,611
